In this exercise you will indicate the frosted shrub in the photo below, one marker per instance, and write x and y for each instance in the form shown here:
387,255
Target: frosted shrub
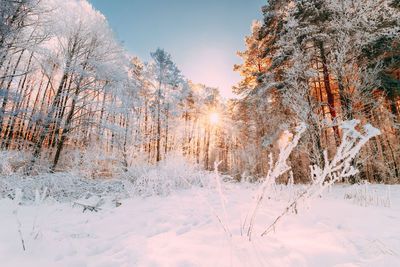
168,176
61,187
172,174
11,162
91,163
336,169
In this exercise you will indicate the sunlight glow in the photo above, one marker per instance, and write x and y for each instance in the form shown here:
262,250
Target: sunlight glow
214,118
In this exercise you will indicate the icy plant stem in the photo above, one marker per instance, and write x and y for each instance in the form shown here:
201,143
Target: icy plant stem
288,209
280,167
221,196
17,202
39,198
221,221
388,197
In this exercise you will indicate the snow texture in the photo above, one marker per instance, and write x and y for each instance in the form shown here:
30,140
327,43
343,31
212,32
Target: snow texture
181,230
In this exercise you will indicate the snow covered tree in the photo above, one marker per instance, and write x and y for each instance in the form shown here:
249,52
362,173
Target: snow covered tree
325,62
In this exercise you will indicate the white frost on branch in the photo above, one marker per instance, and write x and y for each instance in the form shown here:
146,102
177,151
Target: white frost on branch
334,170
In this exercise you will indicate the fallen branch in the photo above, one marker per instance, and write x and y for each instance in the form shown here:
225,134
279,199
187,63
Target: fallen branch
88,207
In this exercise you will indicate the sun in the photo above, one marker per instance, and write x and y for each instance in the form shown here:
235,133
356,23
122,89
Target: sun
214,118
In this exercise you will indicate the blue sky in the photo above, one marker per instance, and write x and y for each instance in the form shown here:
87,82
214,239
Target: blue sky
202,36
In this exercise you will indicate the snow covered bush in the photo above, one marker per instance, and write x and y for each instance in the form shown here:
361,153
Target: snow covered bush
11,162
171,174
61,187
92,163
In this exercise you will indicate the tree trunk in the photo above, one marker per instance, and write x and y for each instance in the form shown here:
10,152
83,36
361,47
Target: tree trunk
158,145
7,92
329,93
166,130
47,123
345,101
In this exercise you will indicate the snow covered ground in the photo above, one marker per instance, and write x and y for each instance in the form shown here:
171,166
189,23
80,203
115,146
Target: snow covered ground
182,230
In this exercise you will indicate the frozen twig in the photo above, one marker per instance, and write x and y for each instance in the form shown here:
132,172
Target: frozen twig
221,195
39,198
17,202
220,220
85,207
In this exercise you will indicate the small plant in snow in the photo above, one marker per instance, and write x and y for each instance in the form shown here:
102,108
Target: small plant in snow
18,198
222,199
276,169
17,203
333,171
363,195
39,199
170,175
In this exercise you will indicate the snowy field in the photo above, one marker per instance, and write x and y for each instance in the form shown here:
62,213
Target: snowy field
346,227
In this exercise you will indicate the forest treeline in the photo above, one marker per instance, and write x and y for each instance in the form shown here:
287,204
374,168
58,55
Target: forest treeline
72,97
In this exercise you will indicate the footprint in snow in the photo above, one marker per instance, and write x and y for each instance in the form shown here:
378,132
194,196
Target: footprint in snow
58,257
183,230
159,231
99,250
